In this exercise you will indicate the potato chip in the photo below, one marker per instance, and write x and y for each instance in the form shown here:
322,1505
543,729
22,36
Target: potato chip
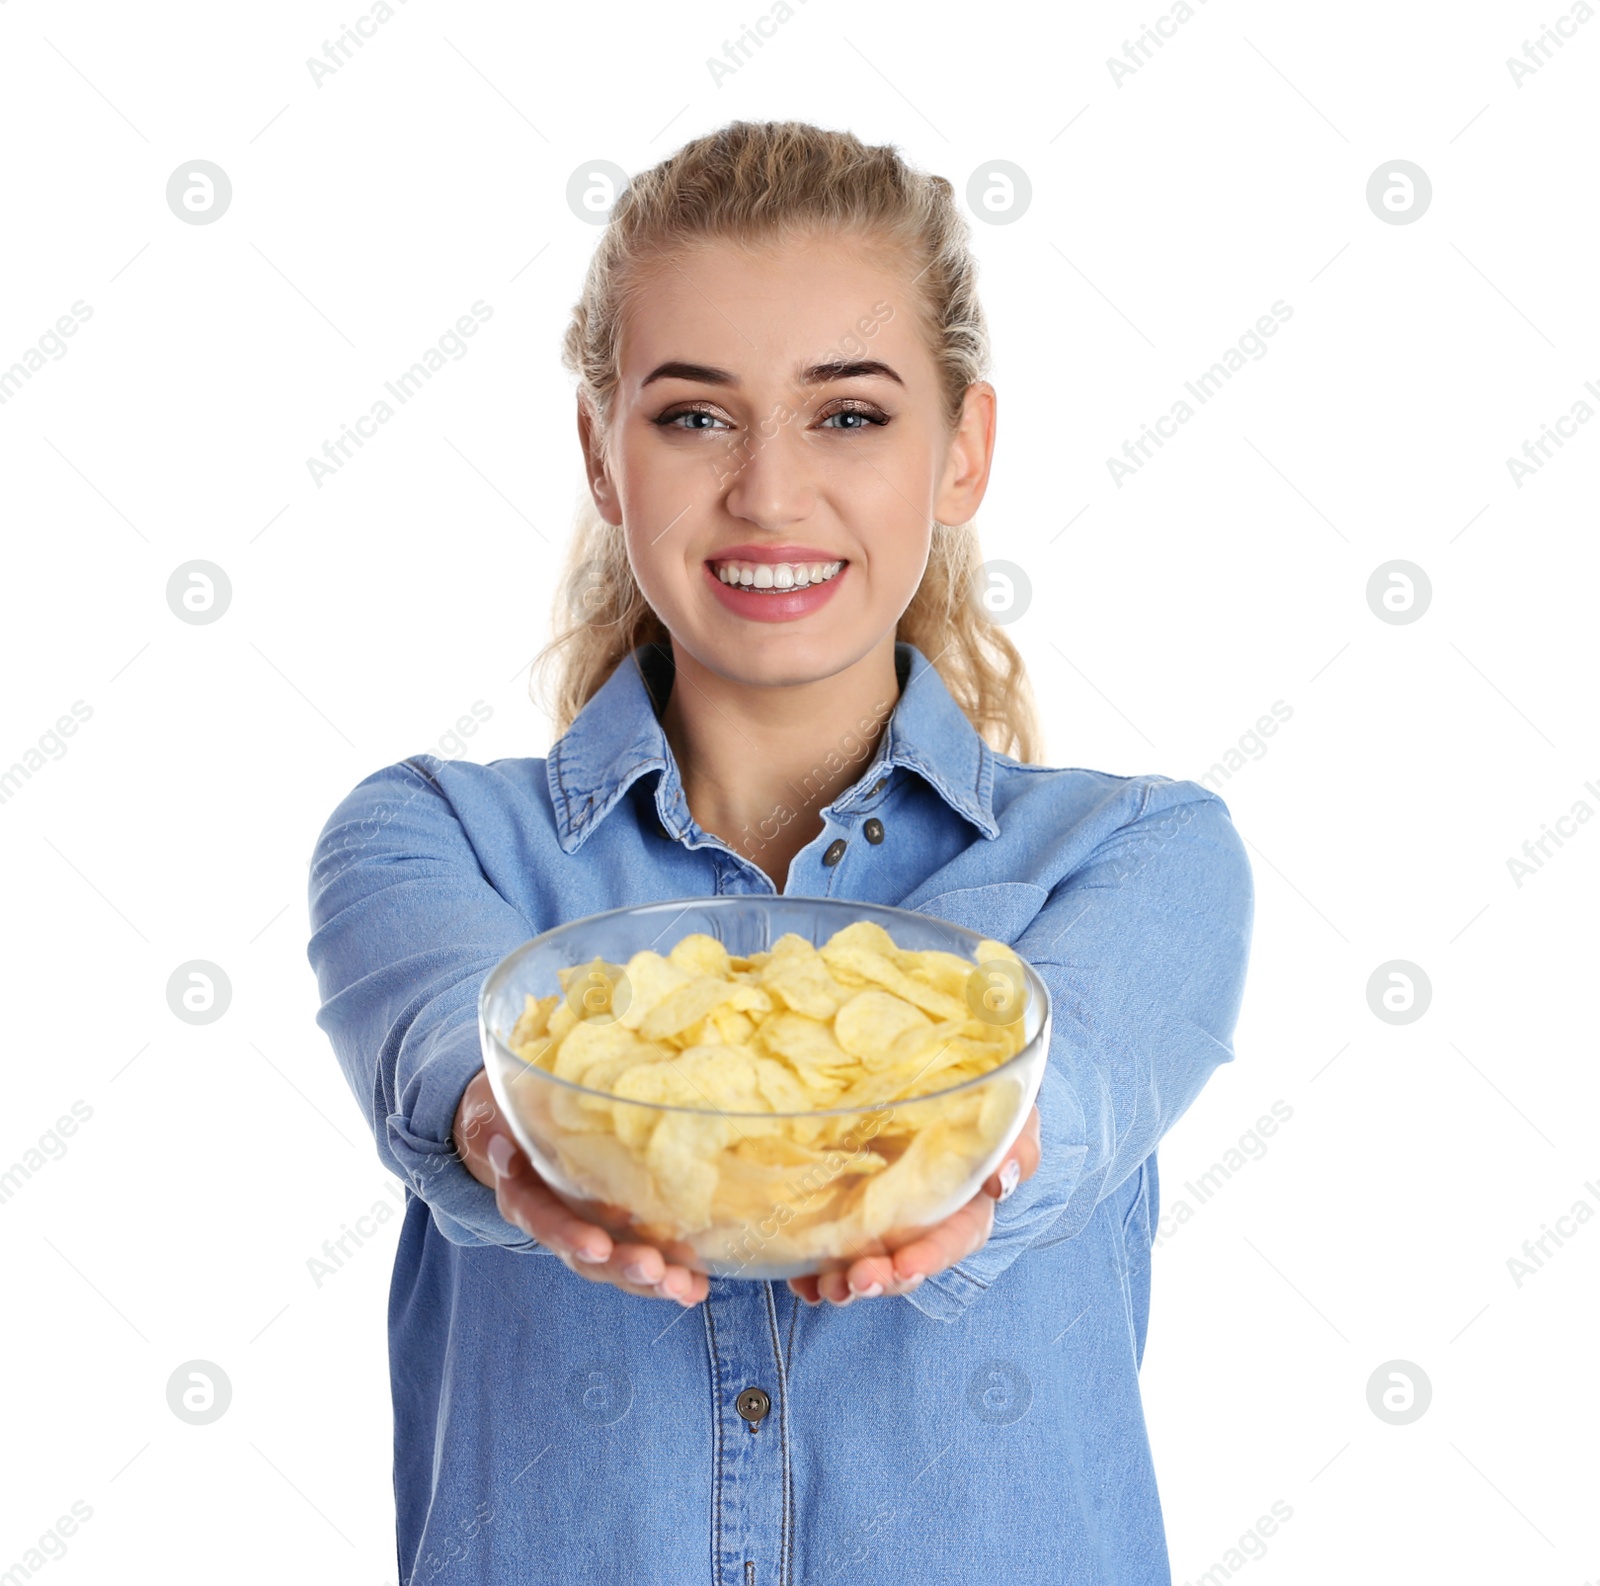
947,972
651,979
577,1110
691,1002
593,991
535,1019
540,1052
726,1076
877,969
588,1043
931,1049
562,1021
698,954
606,1170
659,1083
804,1040
682,1155
927,1172
781,1088
863,935
870,1023
803,982
723,1026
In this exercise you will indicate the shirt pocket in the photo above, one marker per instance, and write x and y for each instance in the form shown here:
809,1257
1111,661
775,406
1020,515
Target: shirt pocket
1002,910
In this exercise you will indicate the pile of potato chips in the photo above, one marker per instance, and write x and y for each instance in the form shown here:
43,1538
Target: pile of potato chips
857,1023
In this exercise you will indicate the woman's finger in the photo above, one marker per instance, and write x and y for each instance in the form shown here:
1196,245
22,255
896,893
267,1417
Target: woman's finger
946,1243
493,1157
630,1269
528,1203
899,1272
643,1269
1024,1152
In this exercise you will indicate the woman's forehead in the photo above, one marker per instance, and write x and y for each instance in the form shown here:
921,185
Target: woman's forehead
783,308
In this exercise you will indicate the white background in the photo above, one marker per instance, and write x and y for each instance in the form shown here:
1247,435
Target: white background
1169,612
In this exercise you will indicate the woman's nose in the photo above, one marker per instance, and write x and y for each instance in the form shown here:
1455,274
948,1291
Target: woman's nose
768,476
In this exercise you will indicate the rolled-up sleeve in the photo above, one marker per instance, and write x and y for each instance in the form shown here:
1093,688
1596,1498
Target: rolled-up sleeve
1144,949
405,925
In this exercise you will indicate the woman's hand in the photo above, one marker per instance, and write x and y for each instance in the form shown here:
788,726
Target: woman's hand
491,1155
942,1246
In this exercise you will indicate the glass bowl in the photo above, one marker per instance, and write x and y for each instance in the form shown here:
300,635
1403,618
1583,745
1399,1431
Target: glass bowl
778,1208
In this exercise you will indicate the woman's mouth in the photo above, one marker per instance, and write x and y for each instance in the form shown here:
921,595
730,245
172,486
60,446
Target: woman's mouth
774,577
774,591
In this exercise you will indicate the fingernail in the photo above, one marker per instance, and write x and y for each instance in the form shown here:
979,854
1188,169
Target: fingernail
1009,1175
498,1152
636,1272
871,1292
591,1257
913,1281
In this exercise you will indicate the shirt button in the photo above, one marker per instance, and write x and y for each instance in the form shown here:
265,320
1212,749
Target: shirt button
879,785
873,830
753,1405
835,852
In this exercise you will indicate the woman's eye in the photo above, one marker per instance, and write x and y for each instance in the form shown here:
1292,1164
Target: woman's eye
860,418
671,420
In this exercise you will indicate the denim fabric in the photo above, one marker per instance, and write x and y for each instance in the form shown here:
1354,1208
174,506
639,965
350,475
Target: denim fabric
986,1428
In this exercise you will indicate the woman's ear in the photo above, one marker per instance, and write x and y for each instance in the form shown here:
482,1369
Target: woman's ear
601,488
966,470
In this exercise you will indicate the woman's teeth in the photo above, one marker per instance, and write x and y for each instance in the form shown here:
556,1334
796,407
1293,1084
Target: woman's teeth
775,576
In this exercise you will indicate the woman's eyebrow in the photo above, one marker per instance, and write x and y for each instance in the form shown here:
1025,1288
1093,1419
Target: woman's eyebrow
817,374
846,369
703,373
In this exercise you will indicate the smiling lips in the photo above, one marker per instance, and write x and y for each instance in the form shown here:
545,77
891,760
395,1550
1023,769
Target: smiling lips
765,588
775,575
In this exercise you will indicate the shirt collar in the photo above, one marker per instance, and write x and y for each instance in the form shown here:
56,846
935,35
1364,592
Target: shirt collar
617,737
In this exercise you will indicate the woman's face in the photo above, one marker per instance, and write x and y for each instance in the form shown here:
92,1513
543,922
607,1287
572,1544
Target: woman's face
778,413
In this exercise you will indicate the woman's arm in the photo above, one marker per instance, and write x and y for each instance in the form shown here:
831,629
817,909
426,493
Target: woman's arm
404,927
1144,948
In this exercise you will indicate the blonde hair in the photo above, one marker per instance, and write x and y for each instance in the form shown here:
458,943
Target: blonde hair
747,183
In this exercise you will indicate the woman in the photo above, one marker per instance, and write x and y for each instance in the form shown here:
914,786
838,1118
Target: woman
776,674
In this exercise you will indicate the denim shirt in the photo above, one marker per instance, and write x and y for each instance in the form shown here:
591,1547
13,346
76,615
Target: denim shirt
985,1428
